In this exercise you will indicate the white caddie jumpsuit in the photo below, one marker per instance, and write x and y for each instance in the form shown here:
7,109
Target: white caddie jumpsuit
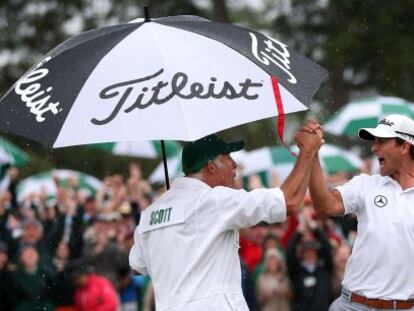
188,240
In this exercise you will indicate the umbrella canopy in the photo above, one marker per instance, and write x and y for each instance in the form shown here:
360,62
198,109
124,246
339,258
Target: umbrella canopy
268,158
11,154
44,182
140,149
366,113
172,78
333,159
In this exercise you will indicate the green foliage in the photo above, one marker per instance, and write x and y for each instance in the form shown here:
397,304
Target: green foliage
366,45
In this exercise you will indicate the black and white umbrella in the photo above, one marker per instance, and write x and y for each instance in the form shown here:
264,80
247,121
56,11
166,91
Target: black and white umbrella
172,78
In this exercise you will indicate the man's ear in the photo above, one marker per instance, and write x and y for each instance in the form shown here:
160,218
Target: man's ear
405,148
212,167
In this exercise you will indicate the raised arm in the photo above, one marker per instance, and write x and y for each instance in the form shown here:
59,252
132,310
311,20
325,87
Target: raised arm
328,202
296,184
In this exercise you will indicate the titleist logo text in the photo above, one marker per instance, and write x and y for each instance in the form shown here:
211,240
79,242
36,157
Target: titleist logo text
33,95
179,86
275,52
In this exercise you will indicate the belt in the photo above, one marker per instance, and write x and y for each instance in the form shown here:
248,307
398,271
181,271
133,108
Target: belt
381,304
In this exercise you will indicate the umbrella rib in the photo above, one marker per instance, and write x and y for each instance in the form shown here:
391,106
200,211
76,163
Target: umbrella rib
224,43
168,70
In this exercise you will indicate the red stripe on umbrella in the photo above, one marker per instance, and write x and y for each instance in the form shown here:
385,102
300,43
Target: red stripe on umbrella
281,114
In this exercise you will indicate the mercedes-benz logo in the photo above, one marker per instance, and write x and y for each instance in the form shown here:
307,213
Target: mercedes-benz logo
380,200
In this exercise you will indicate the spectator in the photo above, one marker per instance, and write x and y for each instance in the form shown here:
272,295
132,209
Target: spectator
310,265
340,259
93,292
63,289
270,241
273,285
103,250
251,240
90,210
131,290
31,283
5,278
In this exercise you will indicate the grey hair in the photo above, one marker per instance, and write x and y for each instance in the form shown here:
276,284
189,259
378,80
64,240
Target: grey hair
217,161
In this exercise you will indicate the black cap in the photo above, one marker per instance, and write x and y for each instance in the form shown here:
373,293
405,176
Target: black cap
196,154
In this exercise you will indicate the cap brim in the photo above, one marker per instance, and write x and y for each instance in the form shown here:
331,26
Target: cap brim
372,133
234,146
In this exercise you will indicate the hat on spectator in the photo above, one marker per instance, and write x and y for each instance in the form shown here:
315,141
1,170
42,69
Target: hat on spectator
392,126
196,154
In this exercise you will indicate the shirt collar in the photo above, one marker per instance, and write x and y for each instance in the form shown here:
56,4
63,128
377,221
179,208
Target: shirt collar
388,179
181,182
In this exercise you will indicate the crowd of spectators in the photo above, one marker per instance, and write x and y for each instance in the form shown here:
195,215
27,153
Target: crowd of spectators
73,255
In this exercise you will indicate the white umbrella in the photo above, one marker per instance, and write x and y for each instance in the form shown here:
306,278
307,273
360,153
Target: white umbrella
172,78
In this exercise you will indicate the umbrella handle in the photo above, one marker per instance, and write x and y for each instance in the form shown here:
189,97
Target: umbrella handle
164,159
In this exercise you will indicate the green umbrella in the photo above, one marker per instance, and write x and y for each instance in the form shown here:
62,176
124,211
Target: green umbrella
268,159
11,154
140,149
4,178
280,160
335,159
366,113
44,182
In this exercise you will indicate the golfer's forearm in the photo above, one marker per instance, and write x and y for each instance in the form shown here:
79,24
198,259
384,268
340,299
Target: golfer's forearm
296,184
322,198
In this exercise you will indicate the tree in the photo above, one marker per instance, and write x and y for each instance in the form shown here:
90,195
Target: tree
31,29
366,45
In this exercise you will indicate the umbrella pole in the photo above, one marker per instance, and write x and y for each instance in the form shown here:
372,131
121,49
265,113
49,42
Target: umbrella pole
146,13
164,159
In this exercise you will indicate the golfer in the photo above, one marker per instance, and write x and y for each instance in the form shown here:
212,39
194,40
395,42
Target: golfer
188,240
379,274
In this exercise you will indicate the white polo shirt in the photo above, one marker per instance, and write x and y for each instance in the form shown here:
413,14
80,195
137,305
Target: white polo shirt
188,241
382,261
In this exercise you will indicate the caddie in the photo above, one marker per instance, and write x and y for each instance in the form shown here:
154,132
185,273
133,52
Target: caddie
188,240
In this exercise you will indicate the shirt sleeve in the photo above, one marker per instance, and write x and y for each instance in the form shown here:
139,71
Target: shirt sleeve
240,209
136,255
351,194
